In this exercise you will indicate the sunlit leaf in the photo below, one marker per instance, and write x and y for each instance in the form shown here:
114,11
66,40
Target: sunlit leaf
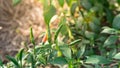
89,35
117,56
49,13
95,59
111,40
108,30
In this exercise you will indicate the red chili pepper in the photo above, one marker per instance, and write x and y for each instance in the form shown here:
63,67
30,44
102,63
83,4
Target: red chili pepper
44,38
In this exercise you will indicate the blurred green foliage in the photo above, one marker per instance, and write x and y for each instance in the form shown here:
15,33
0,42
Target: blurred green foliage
90,32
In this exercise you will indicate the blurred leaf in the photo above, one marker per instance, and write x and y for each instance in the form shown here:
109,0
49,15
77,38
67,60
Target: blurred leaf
64,28
69,33
116,22
13,60
109,15
49,33
81,51
118,2
117,56
111,40
74,42
57,32
88,66
32,61
73,7
86,4
69,2
109,30
20,54
16,2
59,53
32,37
66,51
89,35
1,63
97,66
61,2
59,61
49,13
95,59
112,52
45,3
41,59
95,25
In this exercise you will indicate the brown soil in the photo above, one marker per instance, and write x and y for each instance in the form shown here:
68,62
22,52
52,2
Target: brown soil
15,22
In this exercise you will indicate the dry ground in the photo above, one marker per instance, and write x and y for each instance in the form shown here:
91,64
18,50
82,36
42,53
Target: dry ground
15,23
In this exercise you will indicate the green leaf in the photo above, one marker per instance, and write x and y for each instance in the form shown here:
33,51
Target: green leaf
49,13
41,59
95,59
95,25
66,51
32,37
32,61
89,35
64,28
97,66
109,15
86,4
57,32
111,40
59,61
88,66
69,2
81,51
116,22
1,63
61,2
117,56
20,54
112,53
16,2
118,2
108,30
13,60
74,42
73,7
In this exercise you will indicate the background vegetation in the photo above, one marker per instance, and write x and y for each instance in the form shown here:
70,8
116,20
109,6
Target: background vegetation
87,35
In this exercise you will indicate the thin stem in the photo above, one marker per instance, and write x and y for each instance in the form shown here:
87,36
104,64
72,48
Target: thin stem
49,34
